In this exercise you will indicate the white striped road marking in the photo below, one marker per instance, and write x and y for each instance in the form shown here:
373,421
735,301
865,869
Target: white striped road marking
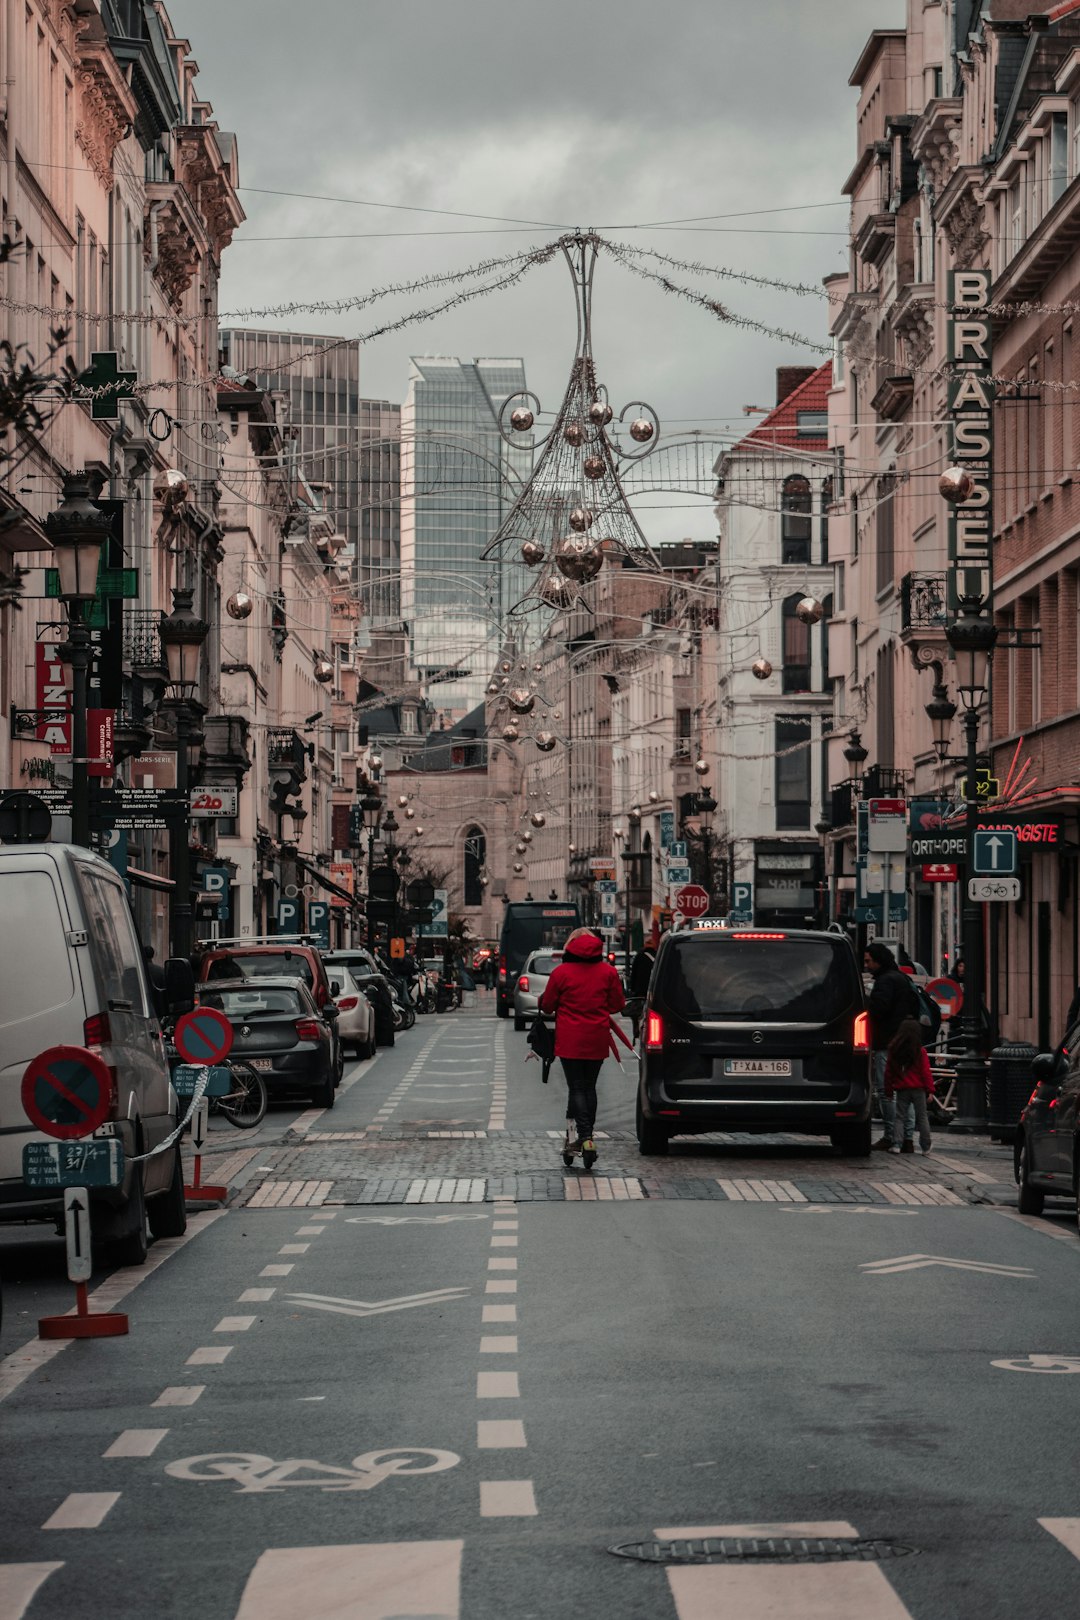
494,1344
276,1271
500,1313
409,1220
504,1226
235,1324
502,1265
500,1434
309,1231
256,1296
497,1285
1067,1531
446,1190
381,1581
497,1386
209,1355
601,1189
921,1262
179,1395
761,1192
909,1192
504,1243
29,1358
294,1248
19,1584
136,1443
376,1307
82,1510
289,1194
443,1135
507,1499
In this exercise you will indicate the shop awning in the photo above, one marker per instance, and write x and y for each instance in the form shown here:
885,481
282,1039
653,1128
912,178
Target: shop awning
149,880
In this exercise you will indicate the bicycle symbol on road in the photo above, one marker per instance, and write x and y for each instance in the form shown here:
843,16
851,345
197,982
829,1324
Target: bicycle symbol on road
250,1472
1040,1364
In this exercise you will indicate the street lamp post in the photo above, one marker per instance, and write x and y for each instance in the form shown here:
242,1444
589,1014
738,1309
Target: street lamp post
972,637
78,531
183,634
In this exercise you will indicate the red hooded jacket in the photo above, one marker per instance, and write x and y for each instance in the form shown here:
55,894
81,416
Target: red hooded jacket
583,992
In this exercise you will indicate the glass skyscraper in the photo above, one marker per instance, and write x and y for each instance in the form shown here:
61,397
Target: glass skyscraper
458,480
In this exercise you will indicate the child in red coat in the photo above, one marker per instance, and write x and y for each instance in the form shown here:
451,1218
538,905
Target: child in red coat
908,1081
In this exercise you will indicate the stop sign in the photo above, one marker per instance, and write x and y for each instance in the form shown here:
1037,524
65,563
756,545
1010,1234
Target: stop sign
692,900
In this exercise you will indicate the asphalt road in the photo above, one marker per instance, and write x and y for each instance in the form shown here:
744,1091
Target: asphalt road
378,1385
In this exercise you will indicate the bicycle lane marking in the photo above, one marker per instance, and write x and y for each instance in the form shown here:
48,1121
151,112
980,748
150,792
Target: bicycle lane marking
502,1498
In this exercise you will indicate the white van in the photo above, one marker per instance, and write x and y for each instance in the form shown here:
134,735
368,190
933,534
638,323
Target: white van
72,973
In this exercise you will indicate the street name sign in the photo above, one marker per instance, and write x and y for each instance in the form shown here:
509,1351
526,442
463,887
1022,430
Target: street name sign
67,1092
95,1163
994,854
986,889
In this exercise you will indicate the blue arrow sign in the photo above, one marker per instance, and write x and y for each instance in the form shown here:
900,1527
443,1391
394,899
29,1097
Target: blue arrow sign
994,853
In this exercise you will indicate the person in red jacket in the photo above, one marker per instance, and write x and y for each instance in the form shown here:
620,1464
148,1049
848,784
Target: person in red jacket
908,1082
583,992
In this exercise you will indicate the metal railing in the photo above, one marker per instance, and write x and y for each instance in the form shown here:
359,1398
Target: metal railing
142,638
923,602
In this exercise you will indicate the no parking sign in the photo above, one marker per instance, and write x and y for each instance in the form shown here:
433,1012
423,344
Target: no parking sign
203,1036
948,994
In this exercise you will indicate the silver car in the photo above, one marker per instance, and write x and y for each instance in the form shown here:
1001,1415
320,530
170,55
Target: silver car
356,1021
531,984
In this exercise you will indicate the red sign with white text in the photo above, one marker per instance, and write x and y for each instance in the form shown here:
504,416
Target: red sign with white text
99,741
941,872
53,698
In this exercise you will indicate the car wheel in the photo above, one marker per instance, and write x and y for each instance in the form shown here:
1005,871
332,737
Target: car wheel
323,1094
854,1141
168,1212
502,1009
652,1138
131,1247
1029,1200
520,1024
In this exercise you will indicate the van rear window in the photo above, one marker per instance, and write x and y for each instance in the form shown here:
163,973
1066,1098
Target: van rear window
805,981
270,966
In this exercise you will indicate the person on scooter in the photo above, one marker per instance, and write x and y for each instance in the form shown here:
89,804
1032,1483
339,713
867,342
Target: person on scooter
582,992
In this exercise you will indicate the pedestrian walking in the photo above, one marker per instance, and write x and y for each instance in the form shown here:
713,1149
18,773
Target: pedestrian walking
640,974
909,1082
582,992
892,1000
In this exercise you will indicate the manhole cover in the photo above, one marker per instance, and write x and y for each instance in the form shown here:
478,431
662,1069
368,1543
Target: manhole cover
763,1550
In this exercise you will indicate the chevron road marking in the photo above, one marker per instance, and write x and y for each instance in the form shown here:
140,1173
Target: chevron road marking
375,1307
18,1585
919,1262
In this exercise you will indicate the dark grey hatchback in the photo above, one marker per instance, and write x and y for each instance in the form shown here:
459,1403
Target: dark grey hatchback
280,1032
758,1032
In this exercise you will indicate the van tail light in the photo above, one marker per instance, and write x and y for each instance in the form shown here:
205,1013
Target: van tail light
523,982
321,996
654,1032
96,1031
347,1003
502,967
611,957
861,1032
307,1029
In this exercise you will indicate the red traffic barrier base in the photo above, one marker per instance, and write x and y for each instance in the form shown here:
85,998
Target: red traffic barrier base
85,1324
205,1192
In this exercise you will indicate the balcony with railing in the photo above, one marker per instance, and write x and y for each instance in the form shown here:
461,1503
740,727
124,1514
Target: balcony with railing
923,604
142,638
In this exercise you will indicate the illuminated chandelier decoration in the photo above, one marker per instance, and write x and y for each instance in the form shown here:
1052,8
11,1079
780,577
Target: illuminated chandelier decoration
573,514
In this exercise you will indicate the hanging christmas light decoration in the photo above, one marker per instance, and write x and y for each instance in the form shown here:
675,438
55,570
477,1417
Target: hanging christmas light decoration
809,610
574,433
527,836
521,849
581,518
239,605
701,766
545,741
654,797
555,593
538,818
641,429
403,799
323,670
493,689
600,412
761,669
533,553
518,868
521,700
577,558
521,420
410,814
511,734
593,467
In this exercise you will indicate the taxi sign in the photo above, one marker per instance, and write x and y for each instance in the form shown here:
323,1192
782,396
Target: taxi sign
203,1036
67,1092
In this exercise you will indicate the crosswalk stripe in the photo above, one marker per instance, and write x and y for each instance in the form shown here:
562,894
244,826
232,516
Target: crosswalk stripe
380,1581
1067,1531
446,1190
82,1510
19,1584
135,1443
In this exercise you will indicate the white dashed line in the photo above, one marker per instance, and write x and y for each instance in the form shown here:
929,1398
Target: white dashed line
134,1443
209,1355
500,1434
502,1265
179,1395
256,1296
507,1499
235,1324
82,1510
497,1386
294,1248
500,1313
275,1271
495,1344
501,1285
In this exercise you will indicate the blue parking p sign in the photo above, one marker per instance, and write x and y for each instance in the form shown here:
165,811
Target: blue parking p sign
994,853
742,902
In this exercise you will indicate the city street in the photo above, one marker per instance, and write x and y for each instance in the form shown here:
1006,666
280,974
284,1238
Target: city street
425,1371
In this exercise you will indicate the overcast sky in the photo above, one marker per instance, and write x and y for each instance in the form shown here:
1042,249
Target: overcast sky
605,113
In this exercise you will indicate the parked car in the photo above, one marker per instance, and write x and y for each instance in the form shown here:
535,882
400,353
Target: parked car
279,1030
356,1023
1046,1152
371,979
74,975
531,984
240,959
754,1031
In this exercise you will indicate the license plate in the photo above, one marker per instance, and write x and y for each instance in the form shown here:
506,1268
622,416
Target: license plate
767,1066
260,1063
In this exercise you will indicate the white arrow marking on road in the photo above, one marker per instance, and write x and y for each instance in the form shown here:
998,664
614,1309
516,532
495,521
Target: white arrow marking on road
376,1307
918,1262
408,1220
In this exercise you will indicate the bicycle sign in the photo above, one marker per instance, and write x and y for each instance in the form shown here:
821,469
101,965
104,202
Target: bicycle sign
1040,1364
251,1473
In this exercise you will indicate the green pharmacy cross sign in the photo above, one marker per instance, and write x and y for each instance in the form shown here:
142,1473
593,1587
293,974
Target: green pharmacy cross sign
104,372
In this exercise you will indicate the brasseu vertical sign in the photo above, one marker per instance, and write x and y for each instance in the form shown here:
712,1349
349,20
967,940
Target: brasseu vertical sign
970,403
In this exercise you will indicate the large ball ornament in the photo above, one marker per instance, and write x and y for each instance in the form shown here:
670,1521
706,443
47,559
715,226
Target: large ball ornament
511,733
654,797
410,814
403,799
574,433
527,836
956,484
538,818
521,419
593,467
518,868
761,669
578,559
545,741
375,762
521,700
809,610
600,412
493,689
532,552
521,849
239,605
556,594
701,766
580,518
323,671
641,429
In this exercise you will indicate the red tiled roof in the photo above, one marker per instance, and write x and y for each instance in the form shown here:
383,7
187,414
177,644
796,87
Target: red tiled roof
779,430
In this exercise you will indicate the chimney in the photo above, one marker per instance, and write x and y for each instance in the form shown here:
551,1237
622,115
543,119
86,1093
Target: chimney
788,379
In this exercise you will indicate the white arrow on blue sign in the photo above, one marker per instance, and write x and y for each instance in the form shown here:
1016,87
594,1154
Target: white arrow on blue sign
994,853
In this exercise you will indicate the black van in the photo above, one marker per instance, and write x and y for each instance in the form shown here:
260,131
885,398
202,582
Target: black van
758,1032
529,925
